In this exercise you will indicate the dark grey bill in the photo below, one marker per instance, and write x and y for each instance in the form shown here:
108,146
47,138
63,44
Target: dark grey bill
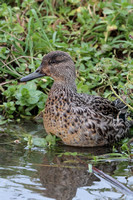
33,75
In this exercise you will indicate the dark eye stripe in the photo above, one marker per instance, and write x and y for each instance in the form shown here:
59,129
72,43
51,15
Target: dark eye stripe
54,61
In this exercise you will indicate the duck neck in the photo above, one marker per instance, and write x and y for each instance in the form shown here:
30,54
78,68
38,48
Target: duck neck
60,86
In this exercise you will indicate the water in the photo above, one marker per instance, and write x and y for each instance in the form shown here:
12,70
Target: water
40,174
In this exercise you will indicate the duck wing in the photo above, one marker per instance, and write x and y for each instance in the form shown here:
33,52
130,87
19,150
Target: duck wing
98,104
97,118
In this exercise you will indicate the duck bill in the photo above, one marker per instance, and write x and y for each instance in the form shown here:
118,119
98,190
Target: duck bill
36,74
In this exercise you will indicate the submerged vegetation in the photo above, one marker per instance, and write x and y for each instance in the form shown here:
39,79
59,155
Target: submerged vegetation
98,35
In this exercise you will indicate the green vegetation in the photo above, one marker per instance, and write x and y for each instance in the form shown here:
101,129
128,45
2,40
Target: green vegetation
98,35
48,141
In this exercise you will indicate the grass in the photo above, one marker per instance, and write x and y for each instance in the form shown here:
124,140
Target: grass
98,35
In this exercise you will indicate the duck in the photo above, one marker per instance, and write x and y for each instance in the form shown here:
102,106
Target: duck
78,119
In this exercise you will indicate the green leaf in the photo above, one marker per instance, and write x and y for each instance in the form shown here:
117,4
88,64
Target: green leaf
107,11
90,168
39,142
51,139
18,28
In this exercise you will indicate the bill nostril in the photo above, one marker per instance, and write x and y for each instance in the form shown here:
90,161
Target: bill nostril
37,70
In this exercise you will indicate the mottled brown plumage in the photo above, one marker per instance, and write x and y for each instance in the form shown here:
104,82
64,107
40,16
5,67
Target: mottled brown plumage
78,119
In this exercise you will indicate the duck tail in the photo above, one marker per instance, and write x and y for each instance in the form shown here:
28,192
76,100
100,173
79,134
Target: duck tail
130,123
123,113
120,105
122,108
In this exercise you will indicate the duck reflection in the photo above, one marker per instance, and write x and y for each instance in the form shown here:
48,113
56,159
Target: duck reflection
63,175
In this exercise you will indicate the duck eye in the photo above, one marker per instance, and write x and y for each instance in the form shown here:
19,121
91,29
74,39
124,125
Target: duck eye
52,61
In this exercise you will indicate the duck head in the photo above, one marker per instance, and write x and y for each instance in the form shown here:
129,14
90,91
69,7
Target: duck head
56,64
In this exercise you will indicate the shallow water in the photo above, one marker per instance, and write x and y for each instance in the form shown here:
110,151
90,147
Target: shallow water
40,174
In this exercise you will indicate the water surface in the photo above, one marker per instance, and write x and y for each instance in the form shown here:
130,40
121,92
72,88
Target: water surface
40,173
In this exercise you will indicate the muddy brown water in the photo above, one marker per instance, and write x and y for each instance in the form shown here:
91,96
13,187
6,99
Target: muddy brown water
40,174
